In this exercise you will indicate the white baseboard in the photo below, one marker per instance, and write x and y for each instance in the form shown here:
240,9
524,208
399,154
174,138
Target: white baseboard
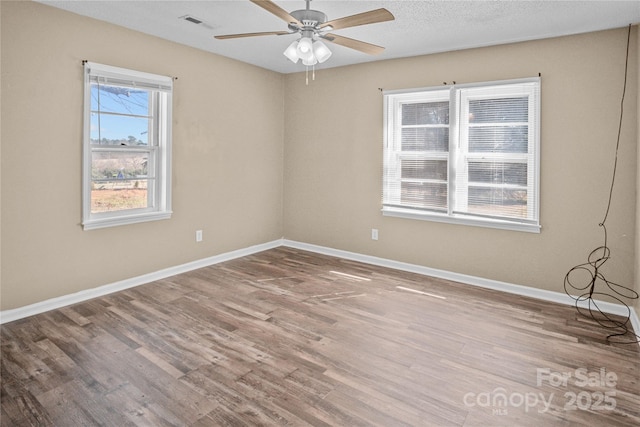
559,297
562,298
635,321
65,300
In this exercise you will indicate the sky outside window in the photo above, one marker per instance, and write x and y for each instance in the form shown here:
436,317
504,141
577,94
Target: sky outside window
119,115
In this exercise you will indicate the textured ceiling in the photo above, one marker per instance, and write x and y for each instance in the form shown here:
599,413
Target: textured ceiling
420,27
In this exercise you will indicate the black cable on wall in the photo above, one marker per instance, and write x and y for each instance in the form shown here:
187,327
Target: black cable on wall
586,293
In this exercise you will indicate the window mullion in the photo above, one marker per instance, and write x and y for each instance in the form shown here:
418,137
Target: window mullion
112,113
459,181
533,161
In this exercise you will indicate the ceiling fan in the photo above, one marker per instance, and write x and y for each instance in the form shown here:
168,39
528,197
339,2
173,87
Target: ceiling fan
312,25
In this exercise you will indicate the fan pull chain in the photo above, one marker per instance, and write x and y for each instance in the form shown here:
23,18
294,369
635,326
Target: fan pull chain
313,74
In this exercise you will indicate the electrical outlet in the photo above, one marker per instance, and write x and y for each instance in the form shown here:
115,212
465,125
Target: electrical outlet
374,234
198,235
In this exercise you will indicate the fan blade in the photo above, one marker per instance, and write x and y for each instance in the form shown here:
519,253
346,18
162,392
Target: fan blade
371,17
237,36
270,6
369,48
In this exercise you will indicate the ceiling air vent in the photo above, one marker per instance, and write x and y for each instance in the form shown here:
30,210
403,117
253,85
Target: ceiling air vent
196,21
192,19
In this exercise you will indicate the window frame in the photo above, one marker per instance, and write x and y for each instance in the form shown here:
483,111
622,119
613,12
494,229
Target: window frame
456,155
158,148
393,162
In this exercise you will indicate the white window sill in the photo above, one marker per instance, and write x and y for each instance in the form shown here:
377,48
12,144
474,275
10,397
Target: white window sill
461,220
94,224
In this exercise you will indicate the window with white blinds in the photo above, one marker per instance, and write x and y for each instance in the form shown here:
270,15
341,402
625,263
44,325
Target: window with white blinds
465,154
127,146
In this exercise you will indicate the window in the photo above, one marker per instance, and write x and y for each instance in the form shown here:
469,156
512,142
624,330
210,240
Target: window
127,146
465,154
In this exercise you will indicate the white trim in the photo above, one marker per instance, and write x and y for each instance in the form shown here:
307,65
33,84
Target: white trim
460,219
158,148
635,321
458,155
65,300
541,294
94,224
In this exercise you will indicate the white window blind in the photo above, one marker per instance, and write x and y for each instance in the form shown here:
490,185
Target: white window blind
116,76
466,154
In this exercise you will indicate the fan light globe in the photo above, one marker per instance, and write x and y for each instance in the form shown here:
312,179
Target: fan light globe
291,52
305,48
321,51
311,61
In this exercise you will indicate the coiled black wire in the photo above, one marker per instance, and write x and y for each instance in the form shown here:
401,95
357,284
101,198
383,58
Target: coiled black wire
586,293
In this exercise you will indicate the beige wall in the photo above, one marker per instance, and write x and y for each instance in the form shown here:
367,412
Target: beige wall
333,161
0,160
227,148
637,253
233,123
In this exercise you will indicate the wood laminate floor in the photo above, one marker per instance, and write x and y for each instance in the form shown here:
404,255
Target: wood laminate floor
287,337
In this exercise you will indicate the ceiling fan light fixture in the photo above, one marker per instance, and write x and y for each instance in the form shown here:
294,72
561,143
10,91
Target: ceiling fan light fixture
321,51
311,25
292,52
